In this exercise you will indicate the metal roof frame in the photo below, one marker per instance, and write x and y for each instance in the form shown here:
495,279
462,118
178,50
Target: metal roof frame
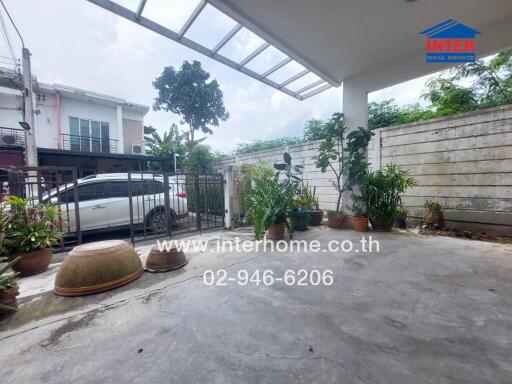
180,37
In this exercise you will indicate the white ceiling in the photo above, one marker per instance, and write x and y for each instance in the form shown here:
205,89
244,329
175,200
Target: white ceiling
343,38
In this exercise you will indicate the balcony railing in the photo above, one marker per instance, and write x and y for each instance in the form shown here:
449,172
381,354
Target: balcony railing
12,137
89,144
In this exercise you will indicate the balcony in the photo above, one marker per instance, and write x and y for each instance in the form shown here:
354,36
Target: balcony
89,144
12,138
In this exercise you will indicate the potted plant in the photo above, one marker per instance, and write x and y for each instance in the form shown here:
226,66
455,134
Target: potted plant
402,213
381,194
343,152
268,201
299,216
309,200
30,233
434,214
359,218
8,289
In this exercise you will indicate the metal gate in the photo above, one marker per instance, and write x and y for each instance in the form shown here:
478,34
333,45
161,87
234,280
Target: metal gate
166,204
48,185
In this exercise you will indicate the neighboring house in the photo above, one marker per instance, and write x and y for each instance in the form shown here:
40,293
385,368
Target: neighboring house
94,132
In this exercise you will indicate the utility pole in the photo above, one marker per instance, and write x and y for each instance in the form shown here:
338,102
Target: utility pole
30,145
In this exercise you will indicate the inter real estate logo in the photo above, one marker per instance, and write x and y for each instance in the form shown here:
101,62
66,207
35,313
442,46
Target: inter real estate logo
450,42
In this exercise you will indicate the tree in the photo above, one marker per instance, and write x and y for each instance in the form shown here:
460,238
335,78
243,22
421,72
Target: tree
190,93
201,159
164,147
383,114
344,153
447,97
314,129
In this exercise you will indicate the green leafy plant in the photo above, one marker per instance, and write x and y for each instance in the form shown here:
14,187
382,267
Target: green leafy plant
381,192
267,200
293,173
8,280
433,206
402,211
308,199
344,152
30,227
359,210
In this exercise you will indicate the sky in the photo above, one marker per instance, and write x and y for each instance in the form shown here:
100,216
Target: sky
76,43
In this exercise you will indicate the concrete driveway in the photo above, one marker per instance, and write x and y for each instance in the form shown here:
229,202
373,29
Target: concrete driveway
422,310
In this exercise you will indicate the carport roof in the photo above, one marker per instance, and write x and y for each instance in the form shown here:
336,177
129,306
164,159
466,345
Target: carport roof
328,41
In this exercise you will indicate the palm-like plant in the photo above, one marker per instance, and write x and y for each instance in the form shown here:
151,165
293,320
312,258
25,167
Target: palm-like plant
381,192
165,146
268,200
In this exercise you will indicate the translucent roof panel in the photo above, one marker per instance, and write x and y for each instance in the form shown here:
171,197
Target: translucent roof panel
266,60
241,45
132,5
171,14
303,81
200,26
286,72
210,27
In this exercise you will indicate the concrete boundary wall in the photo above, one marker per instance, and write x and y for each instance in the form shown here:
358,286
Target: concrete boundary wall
463,161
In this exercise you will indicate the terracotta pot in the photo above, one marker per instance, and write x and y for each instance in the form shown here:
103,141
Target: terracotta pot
316,217
276,232
432,218
360,224
162,261
33,262
382,225
8,297
97,267
335,220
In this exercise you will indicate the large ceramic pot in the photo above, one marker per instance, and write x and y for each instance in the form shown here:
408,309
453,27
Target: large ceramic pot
360,224
162,261
32,262
316,217
384,225
276,231
334,220
434,218
8,298
97,267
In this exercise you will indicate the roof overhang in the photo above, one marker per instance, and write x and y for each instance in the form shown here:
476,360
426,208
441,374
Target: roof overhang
335,40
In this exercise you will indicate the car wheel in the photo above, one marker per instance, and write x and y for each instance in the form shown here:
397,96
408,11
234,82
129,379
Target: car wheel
157,221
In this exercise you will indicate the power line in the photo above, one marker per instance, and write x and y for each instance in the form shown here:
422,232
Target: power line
6,36
13,24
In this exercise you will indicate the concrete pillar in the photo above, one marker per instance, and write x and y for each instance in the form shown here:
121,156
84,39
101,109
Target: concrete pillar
228,193
120,136
355,110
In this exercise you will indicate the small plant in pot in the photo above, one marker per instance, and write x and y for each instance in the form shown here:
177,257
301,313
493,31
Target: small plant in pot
316,215
342,152
8,289
359,218
30,233
434,214
402,213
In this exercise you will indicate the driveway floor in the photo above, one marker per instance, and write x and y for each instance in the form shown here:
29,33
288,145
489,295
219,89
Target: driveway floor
422,310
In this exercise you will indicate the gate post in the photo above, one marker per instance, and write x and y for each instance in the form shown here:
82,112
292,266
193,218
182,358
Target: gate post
198,201
167,203
228,186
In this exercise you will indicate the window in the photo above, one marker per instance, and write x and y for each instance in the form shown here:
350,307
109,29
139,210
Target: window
118,189
92,191
153,187
88,135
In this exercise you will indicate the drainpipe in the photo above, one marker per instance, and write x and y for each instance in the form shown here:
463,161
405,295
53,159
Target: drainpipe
59,122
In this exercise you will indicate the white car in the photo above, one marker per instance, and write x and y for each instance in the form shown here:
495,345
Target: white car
104,203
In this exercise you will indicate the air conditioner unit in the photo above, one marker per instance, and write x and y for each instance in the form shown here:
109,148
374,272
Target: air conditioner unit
136,149
10,140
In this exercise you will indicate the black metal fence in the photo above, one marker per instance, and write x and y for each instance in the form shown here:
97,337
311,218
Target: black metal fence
166,204
48,185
